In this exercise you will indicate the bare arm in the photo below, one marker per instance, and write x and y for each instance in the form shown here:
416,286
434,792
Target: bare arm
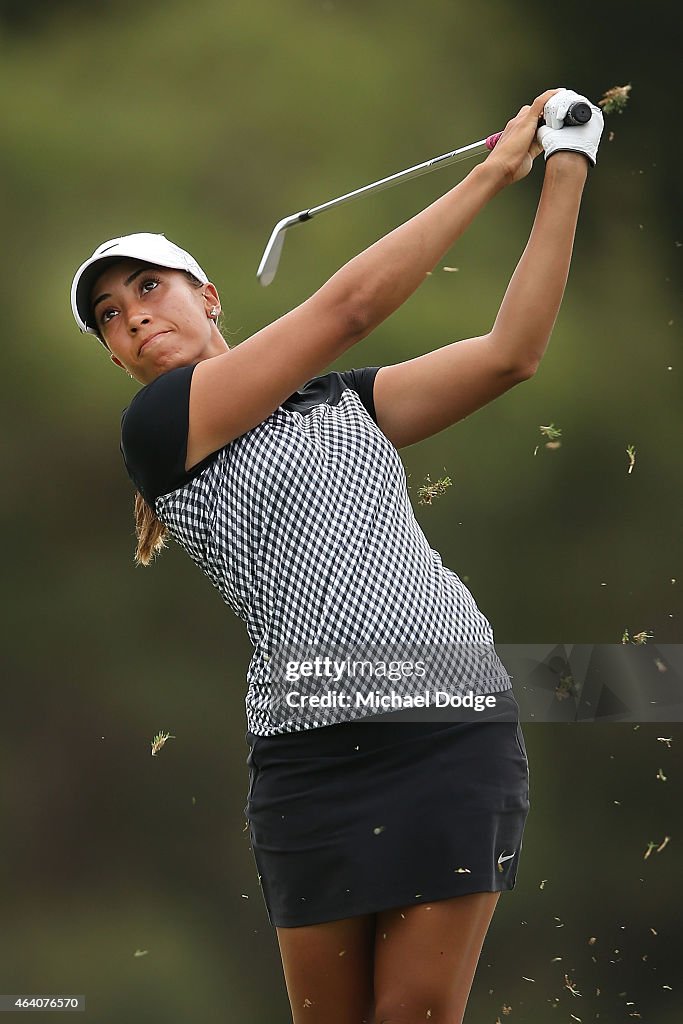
529,309
420,397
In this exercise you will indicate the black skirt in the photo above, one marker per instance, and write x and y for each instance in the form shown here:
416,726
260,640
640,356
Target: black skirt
386,812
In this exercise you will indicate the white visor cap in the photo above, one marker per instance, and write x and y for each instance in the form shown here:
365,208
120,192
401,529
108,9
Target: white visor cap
145,246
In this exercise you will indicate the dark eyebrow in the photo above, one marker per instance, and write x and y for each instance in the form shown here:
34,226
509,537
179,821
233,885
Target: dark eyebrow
107,295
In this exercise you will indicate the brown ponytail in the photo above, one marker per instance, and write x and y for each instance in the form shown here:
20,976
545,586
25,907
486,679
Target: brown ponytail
150,531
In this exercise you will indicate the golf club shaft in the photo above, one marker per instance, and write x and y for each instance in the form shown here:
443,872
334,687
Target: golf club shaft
464,153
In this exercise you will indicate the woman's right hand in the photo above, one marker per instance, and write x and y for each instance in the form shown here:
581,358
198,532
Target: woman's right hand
518,146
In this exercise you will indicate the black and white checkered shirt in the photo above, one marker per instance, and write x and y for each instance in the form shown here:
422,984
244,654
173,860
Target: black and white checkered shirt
305,526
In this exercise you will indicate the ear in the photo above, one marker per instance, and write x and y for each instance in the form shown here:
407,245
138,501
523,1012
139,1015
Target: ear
211,297
118,362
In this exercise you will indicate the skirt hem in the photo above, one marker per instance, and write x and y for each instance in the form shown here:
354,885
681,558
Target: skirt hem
323,917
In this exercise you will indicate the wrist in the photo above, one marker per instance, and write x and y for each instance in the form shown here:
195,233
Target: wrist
492,174
568,162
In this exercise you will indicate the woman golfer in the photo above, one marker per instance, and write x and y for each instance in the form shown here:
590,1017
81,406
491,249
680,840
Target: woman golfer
382,838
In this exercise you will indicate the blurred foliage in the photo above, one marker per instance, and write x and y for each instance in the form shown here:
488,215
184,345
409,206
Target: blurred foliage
210,123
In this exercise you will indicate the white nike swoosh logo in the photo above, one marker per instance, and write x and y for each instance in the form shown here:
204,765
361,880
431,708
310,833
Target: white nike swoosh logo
502,858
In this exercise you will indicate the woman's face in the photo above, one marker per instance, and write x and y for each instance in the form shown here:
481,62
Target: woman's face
154,319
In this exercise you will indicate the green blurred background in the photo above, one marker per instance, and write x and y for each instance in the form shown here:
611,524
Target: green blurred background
210,122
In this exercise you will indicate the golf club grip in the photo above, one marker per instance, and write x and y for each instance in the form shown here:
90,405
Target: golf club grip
578,113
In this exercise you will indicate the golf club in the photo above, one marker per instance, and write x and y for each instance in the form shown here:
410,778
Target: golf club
578,113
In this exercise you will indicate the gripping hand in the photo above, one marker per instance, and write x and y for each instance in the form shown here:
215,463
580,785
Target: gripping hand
555,136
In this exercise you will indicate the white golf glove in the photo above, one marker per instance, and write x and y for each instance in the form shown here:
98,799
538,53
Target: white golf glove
581,138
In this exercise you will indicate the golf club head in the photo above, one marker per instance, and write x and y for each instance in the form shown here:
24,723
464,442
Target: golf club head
270,260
